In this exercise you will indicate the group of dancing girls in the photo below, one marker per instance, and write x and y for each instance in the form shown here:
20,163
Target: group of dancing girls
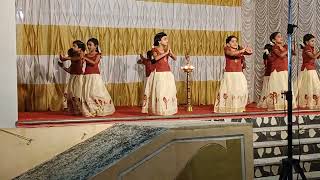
233,93
306,91
86,94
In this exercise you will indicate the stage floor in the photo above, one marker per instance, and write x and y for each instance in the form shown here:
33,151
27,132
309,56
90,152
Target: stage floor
124,114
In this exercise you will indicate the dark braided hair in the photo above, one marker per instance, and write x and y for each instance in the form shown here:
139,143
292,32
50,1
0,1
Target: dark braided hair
306,38
80,44
269,48
158,37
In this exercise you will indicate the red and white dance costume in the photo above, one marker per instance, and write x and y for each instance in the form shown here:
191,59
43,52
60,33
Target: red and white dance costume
233,92
149,67
265,86
278,82
161,98
72,97
96,98
308,95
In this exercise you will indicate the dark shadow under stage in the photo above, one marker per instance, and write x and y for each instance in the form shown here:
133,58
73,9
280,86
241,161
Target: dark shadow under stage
125,114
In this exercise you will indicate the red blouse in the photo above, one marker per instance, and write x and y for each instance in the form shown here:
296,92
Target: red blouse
308,62
148,66
279,63
92,68
161,65
76,67
233,63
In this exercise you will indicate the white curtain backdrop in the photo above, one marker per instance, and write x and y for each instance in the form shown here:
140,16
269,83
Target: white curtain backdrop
122,68
248,38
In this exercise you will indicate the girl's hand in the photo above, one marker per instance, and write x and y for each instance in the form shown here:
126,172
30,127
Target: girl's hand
244,66
170,52
281,48
82,55
315,51
249,50
243,50
62,57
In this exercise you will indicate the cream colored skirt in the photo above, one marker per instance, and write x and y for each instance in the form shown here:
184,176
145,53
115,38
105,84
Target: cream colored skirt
73,94
96,98
143,91
160,94
146,94
278,83
264,93
233,93
308,90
